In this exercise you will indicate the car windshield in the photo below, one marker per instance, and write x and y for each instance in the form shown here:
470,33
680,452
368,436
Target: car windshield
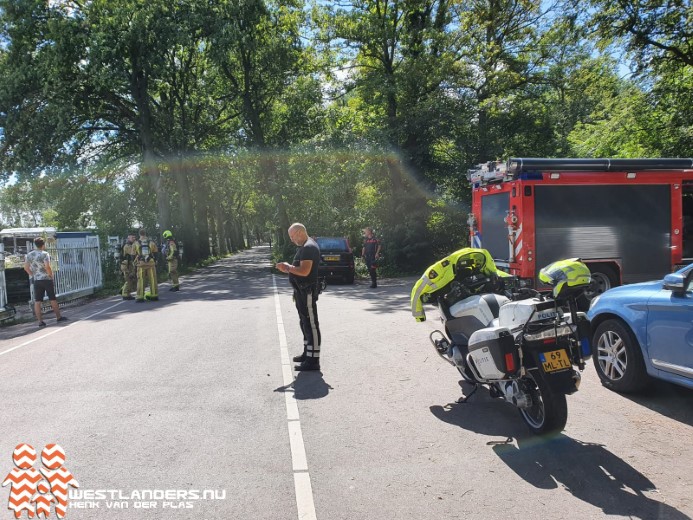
332,244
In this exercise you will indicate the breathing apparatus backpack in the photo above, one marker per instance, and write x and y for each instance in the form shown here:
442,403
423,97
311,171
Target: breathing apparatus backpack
145,251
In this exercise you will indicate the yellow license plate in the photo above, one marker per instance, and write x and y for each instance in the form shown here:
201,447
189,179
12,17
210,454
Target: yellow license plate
555,360
331,258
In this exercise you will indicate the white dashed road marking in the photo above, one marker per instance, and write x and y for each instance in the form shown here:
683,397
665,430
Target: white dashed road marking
304,490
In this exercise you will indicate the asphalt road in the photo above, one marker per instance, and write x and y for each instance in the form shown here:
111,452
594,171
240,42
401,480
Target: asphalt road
154,402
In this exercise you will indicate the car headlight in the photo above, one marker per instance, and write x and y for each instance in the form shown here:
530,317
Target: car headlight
594,301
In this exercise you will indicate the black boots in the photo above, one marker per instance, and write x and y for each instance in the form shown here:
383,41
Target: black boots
308,364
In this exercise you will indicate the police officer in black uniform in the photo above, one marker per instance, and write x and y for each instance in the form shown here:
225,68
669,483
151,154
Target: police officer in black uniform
303,276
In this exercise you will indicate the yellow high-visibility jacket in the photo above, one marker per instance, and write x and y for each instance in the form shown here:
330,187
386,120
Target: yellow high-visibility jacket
441,274
171,250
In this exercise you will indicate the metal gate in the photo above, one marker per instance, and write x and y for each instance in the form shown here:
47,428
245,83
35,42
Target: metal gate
3,287
76,264
7,312
79,266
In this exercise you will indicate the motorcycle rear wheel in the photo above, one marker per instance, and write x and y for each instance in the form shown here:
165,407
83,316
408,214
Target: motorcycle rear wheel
549,410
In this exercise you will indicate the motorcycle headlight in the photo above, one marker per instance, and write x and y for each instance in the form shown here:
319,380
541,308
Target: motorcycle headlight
594,301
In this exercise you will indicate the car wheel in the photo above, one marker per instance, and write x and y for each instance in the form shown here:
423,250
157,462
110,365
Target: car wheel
349,278
618,358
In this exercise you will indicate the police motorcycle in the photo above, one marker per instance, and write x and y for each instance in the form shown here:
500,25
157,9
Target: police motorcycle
527,347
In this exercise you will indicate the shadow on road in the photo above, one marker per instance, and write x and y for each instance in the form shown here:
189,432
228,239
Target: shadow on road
391,295
589,472
673,401
240,277
307,385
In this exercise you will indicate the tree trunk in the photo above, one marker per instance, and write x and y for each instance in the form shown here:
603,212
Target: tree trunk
151,170
221,231
483,137
201,216
213,235
187,230
139,86
237,236
270,170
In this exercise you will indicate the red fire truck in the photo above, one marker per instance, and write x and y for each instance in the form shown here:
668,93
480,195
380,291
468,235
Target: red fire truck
629,220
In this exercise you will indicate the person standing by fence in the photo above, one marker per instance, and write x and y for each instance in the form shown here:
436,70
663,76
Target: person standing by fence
38,266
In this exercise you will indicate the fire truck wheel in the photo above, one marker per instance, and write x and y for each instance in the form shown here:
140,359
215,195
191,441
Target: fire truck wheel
604,277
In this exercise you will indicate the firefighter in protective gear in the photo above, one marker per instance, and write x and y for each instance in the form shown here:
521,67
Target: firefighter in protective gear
127,267
146,267
172,259
464,262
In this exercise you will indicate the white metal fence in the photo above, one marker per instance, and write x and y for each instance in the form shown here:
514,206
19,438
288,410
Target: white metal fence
3,284
76,264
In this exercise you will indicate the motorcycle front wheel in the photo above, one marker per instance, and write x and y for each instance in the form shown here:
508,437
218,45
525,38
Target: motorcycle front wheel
549,410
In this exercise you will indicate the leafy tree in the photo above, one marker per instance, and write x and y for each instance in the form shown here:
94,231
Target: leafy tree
22,205
38,126
654,32
227,119
616,129
637,115
399,58
257,47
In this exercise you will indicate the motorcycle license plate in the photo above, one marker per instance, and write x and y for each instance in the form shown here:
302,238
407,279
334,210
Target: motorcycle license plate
554,361
331,258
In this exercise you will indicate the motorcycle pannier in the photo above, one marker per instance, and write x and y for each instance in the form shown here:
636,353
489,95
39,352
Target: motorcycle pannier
494,352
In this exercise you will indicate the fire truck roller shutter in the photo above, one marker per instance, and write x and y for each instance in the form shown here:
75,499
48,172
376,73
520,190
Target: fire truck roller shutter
597,223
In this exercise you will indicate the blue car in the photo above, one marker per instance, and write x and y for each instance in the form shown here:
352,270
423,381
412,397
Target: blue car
644,331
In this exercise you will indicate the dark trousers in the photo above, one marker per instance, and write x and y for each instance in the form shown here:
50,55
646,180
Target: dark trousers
370,261
307,307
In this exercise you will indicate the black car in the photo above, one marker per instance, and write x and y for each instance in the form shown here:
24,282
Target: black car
336,258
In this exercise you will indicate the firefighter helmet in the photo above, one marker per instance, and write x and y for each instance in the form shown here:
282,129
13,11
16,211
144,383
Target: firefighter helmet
167,234
566,277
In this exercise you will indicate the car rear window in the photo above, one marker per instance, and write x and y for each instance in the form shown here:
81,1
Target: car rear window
332,244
